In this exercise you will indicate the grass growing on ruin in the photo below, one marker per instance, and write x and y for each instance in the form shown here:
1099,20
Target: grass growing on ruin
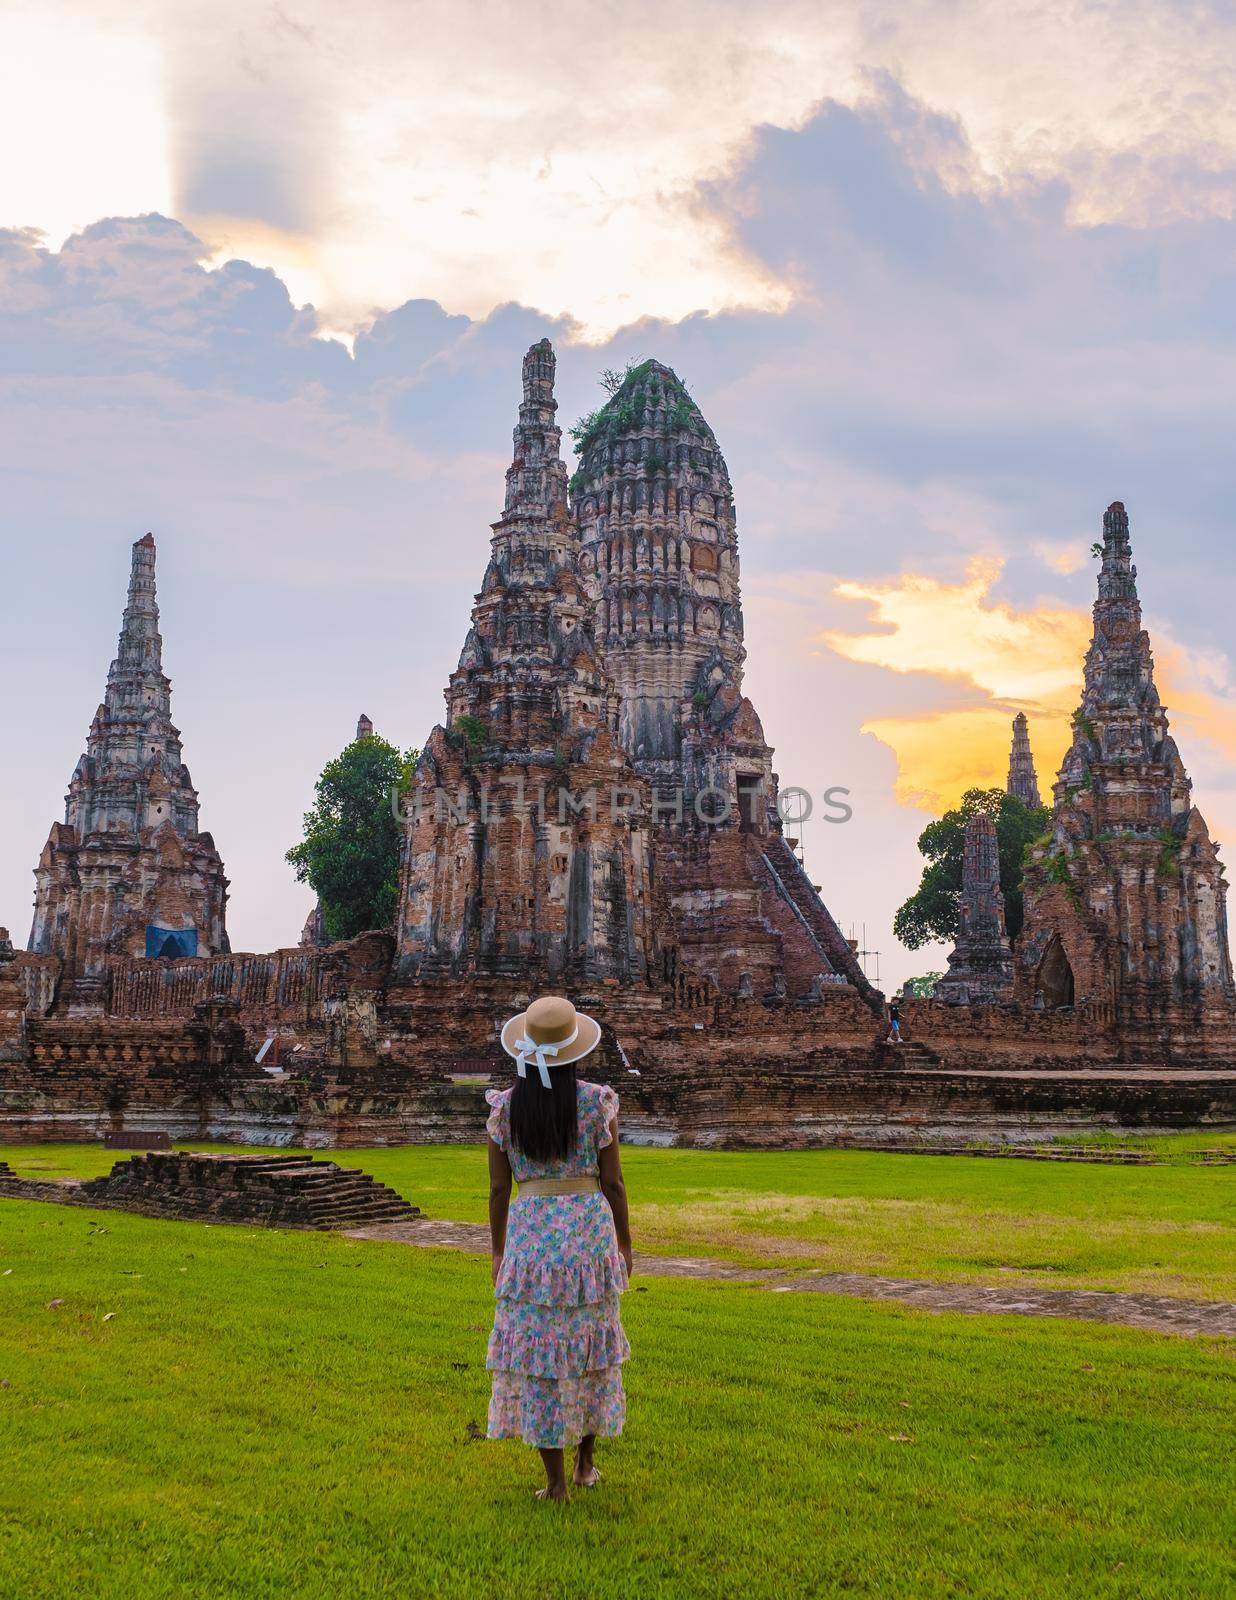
278,1414
1163,1230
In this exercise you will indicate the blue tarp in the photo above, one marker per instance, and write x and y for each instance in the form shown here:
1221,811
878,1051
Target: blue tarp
173,943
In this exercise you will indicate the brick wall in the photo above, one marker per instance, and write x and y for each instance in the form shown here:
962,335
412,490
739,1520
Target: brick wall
693,1067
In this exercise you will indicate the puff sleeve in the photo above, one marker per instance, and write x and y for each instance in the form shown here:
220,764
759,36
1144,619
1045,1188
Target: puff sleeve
605,1112
498,1124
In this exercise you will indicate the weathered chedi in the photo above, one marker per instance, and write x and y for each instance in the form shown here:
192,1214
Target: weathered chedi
1023,781
658,556
127,873
527,851
980,967
1126,898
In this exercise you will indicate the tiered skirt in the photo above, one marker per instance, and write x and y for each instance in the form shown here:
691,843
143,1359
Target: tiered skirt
557,1346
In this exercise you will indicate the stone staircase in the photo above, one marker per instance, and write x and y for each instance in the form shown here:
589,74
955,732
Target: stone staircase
797,890
913,1053
269,1191
1093,1155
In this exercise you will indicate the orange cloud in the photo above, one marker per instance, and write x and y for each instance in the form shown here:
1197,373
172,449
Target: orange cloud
1020,661
1064,557
942,754
1028,658
1195,712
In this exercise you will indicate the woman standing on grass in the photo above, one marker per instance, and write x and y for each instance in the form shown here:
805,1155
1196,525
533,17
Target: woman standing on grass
557,1346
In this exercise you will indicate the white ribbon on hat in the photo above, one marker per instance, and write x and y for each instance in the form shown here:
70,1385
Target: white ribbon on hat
528,1049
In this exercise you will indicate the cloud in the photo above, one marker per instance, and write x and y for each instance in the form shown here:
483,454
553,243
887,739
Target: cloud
984,386
82,117
131,295
518,158
1012,659
942,754
1016,660
256,134
1063,556
936,406
956,630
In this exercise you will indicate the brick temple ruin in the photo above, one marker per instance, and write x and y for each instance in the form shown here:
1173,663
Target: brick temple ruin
657,551
1126,901
128,872
528,850
1023,780
980,966
598,813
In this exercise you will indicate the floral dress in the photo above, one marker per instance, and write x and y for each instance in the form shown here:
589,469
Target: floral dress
557,1347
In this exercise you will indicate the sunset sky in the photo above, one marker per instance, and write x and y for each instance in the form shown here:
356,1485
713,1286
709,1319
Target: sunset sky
945,278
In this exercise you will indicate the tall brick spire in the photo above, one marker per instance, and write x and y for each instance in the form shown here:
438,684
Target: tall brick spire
1117,575
128,872
1126,898
134,723
139,658
1023,781
532,621
1120,717
510,877
536,480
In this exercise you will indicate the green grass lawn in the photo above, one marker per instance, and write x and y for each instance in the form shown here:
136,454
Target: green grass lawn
1162,1230
280,1414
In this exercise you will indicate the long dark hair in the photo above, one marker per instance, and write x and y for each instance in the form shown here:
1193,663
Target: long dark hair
543,1121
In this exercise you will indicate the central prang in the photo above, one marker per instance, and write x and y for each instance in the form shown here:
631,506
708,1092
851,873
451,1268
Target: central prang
601,775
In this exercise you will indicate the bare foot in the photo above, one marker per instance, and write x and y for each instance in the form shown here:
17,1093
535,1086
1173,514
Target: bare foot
553,1491
586,1475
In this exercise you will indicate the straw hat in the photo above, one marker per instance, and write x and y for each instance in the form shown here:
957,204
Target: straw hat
551,1033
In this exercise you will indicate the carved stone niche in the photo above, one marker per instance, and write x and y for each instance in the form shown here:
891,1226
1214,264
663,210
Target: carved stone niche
1053,986
703,558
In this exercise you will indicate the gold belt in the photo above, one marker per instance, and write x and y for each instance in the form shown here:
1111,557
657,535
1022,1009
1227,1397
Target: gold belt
533,1186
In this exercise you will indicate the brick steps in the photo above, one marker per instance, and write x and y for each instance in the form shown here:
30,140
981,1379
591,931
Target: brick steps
270,1191
914,1053
793,885
1093,1155
1108,1158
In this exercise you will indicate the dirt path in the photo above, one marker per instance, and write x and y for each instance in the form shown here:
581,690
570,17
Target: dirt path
1158,1313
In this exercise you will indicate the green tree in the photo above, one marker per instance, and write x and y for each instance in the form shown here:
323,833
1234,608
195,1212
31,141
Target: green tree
931,912
922,988
350,853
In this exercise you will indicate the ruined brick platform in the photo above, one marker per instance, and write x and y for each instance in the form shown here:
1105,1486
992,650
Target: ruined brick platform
271,1191
374,1064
